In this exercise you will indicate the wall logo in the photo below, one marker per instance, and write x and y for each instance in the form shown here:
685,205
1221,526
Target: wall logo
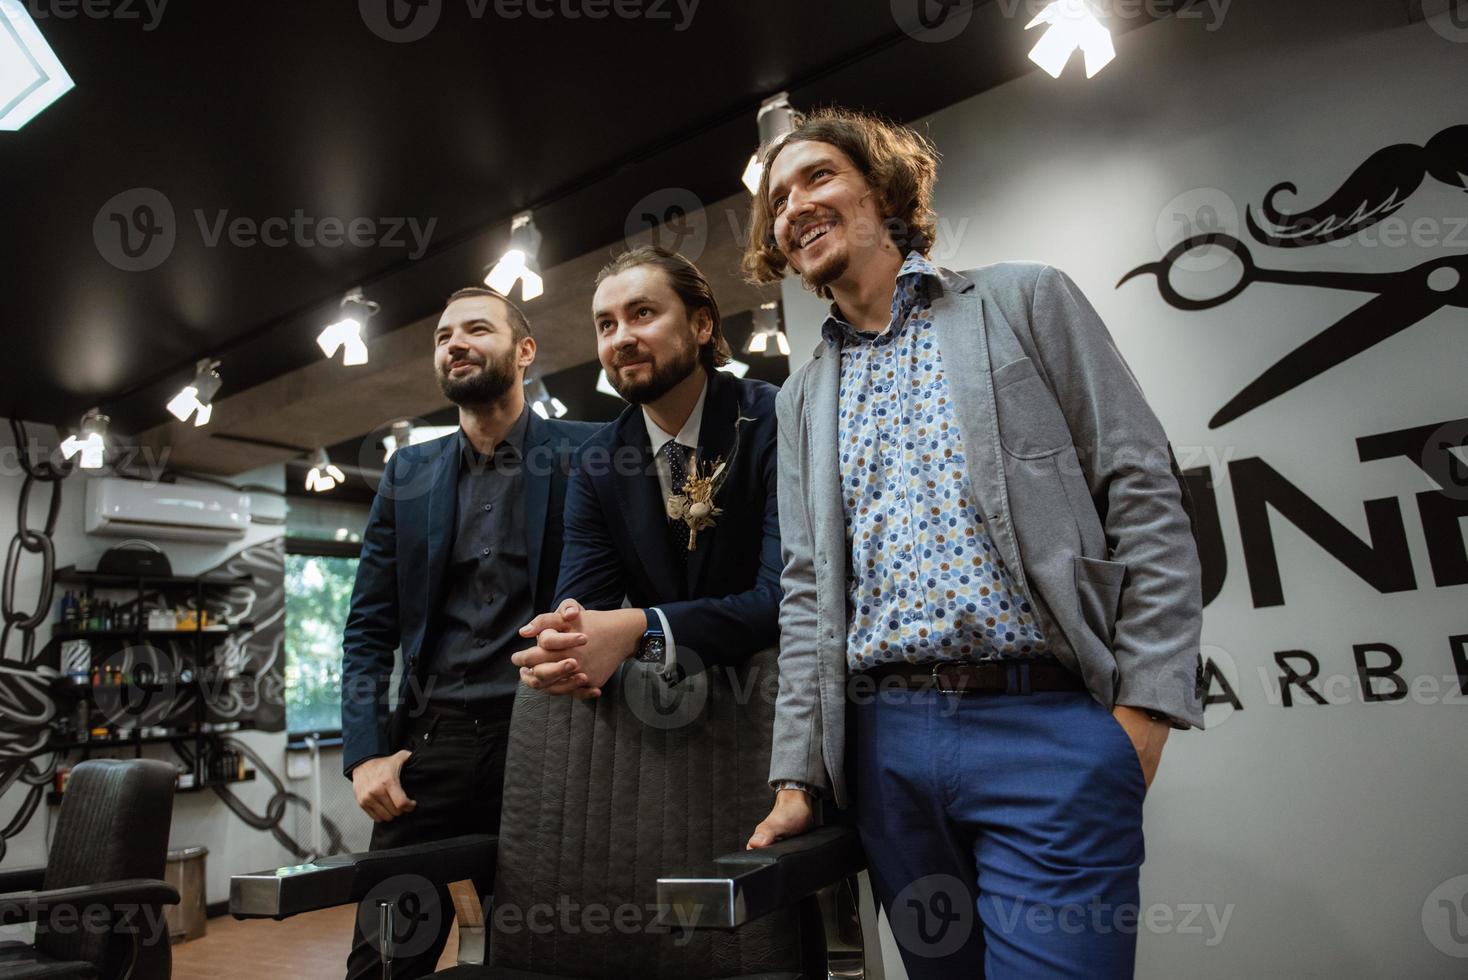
136,230
1376,191
400,21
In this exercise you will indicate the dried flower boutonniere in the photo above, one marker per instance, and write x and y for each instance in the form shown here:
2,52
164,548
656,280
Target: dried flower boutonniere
695,505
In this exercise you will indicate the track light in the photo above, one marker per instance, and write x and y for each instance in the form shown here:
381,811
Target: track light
604,384
735,367
776,118
767,328
520,263
196,397
405,433
324,475
31,76
90,440
542,402
1072,24
346,333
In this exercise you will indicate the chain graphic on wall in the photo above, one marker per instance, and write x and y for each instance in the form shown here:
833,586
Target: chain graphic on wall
1375,191
241,680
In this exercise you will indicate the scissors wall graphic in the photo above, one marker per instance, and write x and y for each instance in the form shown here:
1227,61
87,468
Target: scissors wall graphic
1377,189
1401,299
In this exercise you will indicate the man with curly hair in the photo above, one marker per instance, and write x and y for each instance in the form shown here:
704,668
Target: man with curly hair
992,598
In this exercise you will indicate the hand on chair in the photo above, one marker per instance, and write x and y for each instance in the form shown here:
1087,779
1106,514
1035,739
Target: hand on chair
793,814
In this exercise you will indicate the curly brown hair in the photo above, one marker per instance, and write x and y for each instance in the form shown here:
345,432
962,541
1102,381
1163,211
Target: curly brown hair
898,162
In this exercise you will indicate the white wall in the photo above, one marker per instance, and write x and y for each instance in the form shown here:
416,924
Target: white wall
1321,831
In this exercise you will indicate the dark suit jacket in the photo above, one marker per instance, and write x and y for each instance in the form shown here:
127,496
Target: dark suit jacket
405,551
725,606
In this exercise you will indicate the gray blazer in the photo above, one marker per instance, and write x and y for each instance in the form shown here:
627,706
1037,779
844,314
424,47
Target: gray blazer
1078,486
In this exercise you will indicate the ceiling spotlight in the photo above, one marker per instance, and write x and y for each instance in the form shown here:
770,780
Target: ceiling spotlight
324,475
776,118
542,402
31,76
196,397
735,367
405,433
520,263
766,329
346,333
1072,24
90,440
604,384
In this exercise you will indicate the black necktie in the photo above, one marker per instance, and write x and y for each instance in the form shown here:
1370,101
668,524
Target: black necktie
678,471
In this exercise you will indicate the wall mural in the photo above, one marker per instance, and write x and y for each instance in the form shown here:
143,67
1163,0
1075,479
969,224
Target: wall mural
206,686
1377,189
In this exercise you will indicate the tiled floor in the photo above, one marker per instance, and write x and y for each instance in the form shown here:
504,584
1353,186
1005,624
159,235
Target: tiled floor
305,947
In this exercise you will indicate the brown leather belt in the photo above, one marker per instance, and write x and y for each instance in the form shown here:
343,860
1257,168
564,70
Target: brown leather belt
989,677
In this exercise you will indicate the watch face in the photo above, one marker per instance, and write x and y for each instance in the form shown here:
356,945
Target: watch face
652,649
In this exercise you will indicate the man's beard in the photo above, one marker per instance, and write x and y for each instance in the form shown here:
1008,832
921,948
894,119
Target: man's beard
486,386
830,268
663,377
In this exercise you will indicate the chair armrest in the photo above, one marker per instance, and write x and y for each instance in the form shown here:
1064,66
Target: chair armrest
124,895
745,885
344,879
22,879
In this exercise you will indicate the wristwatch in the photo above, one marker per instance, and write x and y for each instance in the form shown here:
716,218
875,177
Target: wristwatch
653,648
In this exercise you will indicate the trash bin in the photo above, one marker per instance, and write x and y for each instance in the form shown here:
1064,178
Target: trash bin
185,871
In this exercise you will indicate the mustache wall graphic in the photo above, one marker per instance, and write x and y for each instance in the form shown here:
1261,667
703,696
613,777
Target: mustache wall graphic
1376,190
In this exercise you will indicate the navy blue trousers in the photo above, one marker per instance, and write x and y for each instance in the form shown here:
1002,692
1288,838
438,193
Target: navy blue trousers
1003,832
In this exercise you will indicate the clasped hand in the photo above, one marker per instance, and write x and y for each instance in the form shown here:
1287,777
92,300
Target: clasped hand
577,650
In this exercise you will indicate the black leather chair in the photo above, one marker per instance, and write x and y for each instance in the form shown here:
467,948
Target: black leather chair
98,903
620,851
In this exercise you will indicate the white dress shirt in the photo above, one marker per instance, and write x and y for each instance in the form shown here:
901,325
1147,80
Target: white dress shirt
687,437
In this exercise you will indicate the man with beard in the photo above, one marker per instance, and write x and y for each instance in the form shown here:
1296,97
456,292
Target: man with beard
463,544
993,598
699,563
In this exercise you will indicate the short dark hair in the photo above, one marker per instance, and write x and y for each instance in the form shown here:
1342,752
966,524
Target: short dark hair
519,326
897,161
688,283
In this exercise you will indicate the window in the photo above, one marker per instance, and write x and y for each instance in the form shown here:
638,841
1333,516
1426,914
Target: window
318,593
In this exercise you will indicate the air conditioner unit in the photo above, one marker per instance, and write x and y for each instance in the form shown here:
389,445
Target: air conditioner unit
137,509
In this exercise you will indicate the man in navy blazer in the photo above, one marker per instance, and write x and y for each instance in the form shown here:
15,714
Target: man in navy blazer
698,563
462,545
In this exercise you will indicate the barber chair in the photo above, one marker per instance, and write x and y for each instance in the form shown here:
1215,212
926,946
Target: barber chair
98,903
620,852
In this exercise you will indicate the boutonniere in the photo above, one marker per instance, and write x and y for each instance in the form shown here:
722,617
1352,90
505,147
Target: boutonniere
695,505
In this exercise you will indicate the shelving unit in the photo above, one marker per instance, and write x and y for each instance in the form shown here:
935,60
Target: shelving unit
54,798
175,589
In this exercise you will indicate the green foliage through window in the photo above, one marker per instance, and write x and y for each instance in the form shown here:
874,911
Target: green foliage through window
318,592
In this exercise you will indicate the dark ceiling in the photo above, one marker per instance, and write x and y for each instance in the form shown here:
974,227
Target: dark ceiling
272,109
